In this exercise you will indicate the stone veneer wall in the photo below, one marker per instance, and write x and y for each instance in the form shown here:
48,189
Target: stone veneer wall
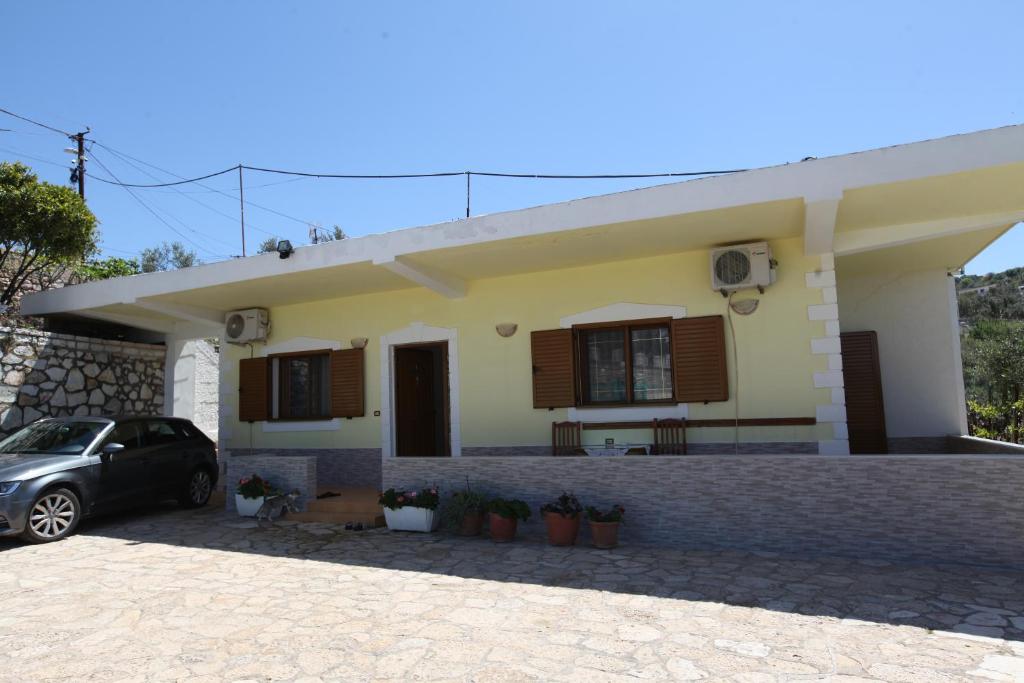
47,374
939,508
284,472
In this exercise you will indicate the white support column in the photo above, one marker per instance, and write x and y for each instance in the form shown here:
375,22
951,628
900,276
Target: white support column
833,412
180,378
959,392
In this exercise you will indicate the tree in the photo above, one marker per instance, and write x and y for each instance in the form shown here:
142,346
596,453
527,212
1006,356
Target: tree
267,245
104,269
168,257
320,235
43,228
993,353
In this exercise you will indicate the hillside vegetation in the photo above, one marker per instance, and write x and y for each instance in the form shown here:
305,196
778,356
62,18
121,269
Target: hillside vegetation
992,336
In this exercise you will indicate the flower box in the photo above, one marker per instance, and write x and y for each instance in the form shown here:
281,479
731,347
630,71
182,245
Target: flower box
248,507
409,518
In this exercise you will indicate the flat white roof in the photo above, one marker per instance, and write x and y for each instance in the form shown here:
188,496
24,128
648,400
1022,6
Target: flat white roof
862,191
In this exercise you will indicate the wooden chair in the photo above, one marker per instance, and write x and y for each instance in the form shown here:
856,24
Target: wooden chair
669,437
566,438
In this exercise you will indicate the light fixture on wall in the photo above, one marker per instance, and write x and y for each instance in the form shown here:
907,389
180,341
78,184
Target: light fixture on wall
284,248
506,329
744,307
359,342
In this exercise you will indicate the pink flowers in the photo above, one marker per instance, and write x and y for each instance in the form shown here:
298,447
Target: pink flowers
401,499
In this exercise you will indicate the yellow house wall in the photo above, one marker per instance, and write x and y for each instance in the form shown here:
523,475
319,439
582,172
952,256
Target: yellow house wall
775,361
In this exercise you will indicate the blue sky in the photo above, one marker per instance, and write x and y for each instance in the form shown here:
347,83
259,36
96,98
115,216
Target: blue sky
566,87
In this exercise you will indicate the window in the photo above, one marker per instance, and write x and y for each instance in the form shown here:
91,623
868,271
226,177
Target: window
623,363
128,434
160,432
303,386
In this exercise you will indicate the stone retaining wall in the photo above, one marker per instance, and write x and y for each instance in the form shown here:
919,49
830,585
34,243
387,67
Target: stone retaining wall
47,374
939,508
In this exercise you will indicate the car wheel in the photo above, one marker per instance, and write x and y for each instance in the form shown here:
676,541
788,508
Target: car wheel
197,490
53,515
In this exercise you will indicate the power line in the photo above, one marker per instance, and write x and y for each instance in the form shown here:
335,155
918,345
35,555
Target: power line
124,158
154,213
29,156
208,187
180,182
37,123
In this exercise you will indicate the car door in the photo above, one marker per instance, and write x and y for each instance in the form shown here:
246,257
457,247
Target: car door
124,477
168,455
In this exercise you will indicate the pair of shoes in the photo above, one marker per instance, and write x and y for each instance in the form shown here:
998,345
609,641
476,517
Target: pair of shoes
349,526
359,526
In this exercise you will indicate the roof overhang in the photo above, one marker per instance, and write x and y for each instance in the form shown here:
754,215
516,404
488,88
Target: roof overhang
846,205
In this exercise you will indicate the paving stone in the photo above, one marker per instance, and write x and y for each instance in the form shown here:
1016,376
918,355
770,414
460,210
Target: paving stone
206,596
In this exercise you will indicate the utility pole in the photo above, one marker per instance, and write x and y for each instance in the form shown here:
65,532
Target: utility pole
241,207
78,172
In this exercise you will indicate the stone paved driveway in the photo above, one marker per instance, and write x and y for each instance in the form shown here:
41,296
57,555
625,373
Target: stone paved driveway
170,595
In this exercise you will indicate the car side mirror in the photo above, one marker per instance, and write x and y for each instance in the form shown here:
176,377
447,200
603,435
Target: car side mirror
112,448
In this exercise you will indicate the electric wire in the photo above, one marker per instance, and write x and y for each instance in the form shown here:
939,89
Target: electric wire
233,219
208,187
37,123
155,214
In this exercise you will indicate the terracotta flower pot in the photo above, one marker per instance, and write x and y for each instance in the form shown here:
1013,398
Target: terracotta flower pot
471,525
503,529
562,530
604,534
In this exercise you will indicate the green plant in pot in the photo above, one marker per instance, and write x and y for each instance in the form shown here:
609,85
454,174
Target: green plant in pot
604,526
504,518
562,519
464,512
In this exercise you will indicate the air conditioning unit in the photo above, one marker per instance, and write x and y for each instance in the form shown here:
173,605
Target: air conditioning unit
742,266
249,325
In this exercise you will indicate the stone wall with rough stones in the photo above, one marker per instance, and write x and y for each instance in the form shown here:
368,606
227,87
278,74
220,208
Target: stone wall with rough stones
44,374
944,508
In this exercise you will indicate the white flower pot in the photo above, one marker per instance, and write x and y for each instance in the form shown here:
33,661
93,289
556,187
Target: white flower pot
411,519
248,507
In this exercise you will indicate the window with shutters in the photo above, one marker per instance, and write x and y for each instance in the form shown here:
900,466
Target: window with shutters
302,385
625,363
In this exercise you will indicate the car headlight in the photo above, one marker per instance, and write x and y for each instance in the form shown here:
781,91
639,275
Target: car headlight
8,487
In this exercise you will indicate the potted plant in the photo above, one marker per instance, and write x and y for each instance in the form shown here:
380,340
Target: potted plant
504,518
562,519
410,510
251,493
604,526
464,512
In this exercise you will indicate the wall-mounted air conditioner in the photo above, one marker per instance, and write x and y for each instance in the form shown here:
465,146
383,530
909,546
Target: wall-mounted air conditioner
249,325
742,266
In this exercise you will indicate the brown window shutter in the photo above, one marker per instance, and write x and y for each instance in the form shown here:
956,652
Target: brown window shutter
253,389
347,383
554,375
865,410
698,359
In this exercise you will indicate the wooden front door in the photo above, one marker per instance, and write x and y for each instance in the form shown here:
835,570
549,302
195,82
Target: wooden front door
862,376
421,398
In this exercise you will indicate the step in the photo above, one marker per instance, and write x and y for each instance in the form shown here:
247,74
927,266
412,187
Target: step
343,505
366,519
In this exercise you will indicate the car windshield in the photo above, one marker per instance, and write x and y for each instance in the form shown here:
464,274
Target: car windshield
53,437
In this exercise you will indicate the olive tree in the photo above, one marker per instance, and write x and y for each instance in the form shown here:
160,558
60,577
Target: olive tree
43,228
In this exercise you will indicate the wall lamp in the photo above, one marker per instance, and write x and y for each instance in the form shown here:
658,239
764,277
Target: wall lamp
285,248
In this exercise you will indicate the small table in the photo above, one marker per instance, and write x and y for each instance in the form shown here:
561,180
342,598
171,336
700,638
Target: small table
618,449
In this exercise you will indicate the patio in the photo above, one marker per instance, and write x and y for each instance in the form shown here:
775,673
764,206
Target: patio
168,594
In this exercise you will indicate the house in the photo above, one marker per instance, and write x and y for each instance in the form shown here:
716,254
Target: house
448,351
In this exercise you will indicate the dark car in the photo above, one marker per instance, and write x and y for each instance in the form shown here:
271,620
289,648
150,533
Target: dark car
56,471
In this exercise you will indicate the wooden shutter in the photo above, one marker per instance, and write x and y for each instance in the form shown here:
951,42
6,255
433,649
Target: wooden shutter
862,377
698,359
347,383
554,375
253,389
